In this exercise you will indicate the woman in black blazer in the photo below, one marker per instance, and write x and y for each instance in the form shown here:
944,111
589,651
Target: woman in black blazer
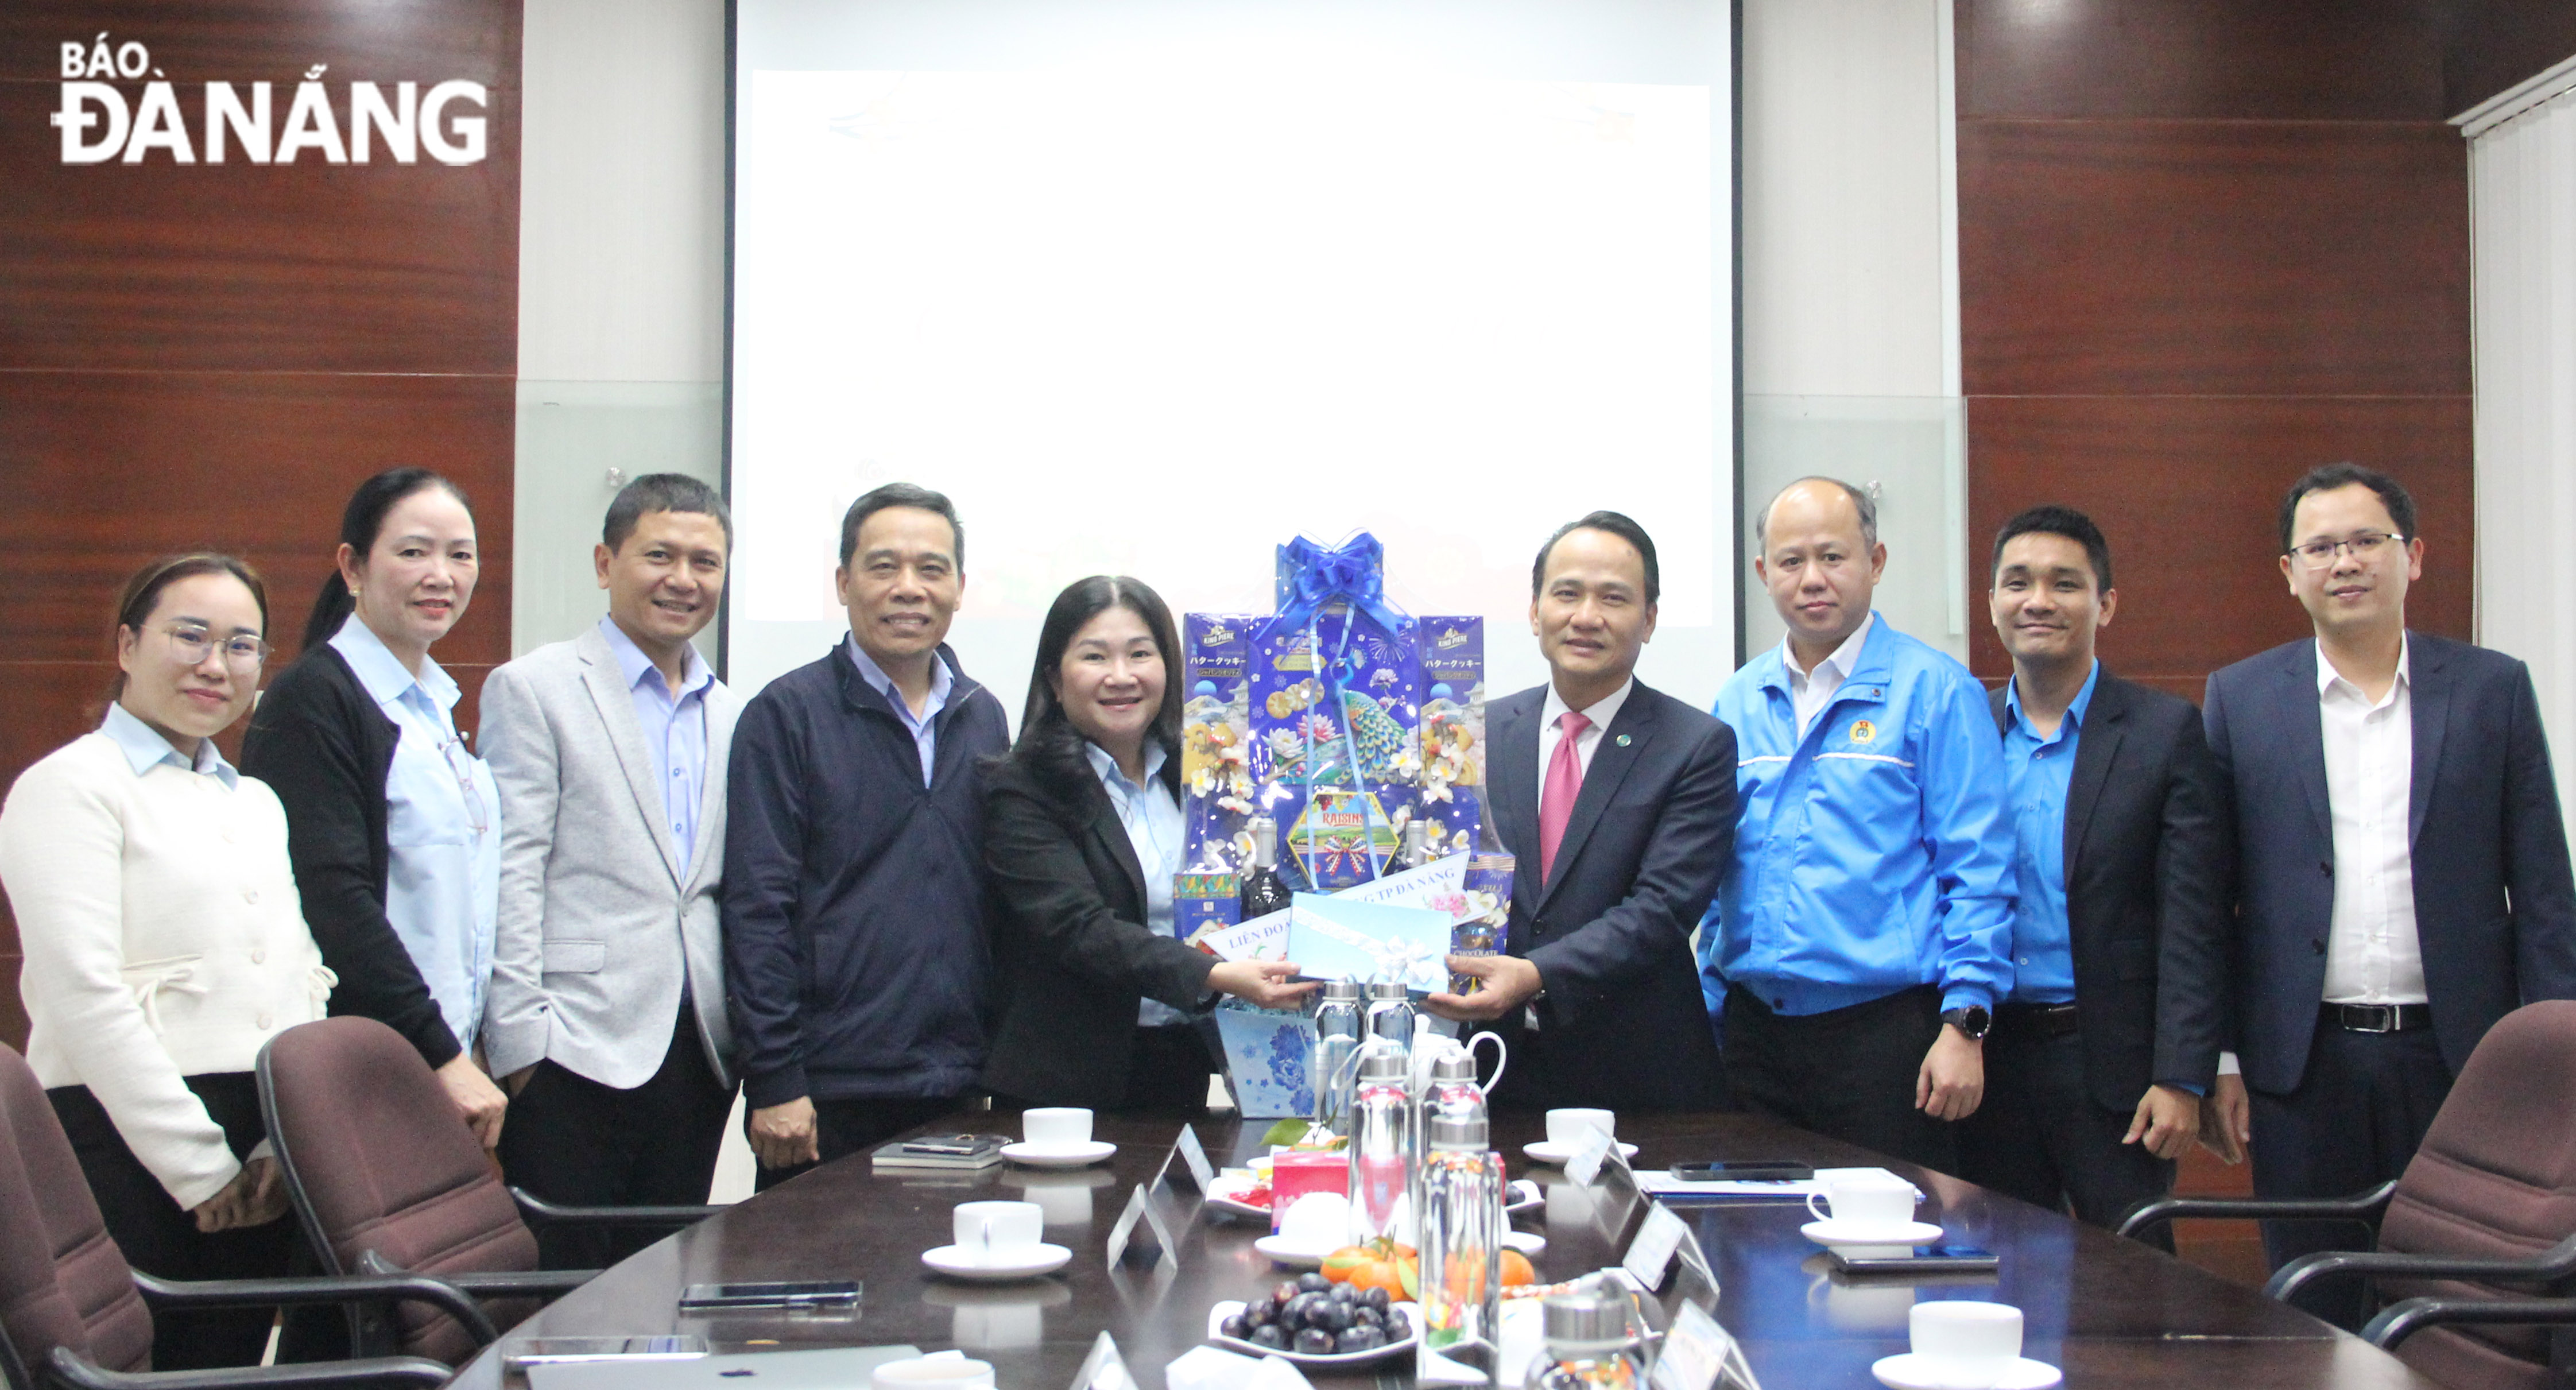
330,749
1082,834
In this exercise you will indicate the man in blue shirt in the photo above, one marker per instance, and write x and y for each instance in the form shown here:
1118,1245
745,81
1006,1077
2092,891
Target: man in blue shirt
2109,1038
607,1016
1864,930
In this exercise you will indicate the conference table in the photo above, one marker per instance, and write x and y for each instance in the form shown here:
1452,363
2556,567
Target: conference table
2110,1312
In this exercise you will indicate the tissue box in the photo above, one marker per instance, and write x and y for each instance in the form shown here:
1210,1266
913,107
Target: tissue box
1294,1175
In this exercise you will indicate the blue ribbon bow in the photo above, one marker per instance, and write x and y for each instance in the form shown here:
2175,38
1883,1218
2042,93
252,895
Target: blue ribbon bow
1354,572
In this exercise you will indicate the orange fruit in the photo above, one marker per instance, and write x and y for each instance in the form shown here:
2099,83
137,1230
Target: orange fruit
1517,1269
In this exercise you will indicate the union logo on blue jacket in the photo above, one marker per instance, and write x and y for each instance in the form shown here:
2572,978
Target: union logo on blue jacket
1873,854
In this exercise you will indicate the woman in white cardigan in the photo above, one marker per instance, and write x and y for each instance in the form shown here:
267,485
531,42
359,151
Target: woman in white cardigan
163,945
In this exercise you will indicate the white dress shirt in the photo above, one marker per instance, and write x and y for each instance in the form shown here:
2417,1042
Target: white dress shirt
1811,691
1600,712
2372,955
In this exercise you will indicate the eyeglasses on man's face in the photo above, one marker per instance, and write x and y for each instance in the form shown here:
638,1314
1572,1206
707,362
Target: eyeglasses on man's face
243,654
2365,547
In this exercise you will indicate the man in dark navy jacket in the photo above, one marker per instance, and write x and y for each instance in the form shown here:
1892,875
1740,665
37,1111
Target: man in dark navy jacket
2403,873
2109,1038
855,951
1618,803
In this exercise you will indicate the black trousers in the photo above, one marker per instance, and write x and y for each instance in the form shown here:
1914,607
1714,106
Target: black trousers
2354,1121
1846,1073
1167,1076
2041,1136
571,1140
846,1126
158,1236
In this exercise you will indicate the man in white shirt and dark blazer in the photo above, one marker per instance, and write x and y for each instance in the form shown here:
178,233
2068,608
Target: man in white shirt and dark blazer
607,1018
2403,877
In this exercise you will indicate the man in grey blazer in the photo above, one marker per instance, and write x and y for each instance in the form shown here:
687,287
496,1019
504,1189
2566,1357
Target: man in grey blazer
607,1009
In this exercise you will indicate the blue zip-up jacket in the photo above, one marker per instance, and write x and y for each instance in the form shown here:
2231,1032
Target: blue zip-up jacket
1873,855
856,951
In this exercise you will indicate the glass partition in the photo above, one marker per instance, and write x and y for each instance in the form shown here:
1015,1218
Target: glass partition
578,443
1908,452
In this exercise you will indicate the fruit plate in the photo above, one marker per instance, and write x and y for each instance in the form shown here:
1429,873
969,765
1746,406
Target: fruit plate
1228,1191
1413,1334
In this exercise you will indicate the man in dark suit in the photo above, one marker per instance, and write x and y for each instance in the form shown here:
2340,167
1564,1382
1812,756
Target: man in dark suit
2403,872
1618,804
2109,1039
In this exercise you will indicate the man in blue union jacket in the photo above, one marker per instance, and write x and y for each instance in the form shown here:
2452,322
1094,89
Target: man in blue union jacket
855,952
1863,933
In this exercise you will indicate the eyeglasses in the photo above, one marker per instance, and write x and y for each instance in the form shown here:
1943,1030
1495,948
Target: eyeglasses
241,654
2316,555
460,762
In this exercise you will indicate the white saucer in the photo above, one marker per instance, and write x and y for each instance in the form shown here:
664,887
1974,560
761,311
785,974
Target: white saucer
1525,1242
1555,1155
1906,1371
1843,1233
1287,1252
958,1262
1088,1152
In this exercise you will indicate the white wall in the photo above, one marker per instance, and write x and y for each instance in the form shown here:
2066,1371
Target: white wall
1851,332
2522,192
621,280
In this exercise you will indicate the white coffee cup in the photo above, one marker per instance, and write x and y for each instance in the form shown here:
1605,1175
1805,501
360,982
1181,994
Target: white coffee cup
1965,1344
1057,1127
933,1373
999,1232
1865,1202
1566,1128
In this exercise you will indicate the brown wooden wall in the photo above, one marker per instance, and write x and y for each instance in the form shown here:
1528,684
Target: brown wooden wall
2203,246
214,354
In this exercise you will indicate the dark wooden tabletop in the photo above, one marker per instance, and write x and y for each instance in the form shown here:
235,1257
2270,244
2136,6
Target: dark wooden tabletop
2111,1312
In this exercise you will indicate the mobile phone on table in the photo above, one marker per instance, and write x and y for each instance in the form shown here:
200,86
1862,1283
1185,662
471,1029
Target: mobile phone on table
958,1145
808,1293
1744,1170
1921,1259
556,1351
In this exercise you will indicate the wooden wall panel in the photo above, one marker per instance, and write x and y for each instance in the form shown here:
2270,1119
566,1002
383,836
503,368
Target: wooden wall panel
112,468
2187,491
2277,60
2497,44
214,354
2213,258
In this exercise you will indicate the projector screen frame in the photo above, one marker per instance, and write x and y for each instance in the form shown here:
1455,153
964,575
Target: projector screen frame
1738,517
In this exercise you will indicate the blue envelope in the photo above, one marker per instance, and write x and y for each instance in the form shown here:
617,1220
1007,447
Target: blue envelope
1334,938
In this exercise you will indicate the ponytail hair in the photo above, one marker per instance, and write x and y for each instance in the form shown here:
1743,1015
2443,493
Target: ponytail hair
360,524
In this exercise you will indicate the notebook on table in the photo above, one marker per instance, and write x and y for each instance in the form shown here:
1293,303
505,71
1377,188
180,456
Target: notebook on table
827,1368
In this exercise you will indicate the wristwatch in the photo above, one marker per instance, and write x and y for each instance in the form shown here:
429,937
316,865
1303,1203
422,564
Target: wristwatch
1972,1020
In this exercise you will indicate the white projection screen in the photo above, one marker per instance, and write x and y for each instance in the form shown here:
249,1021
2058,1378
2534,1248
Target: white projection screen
1149,287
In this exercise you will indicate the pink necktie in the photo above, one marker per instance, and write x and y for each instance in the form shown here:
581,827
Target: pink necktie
1556,799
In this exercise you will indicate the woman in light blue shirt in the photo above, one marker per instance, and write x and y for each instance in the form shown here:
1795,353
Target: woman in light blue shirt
393,822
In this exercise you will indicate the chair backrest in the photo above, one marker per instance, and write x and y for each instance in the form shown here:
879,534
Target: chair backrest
2495,1178
63,1282
375,1158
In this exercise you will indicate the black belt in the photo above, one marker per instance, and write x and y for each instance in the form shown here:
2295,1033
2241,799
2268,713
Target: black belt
2044,1020
2377,1018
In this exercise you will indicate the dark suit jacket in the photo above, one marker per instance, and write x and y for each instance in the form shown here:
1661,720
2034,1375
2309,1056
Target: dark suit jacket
2146,892
1070,944
1622,1021
320,741
2495,907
